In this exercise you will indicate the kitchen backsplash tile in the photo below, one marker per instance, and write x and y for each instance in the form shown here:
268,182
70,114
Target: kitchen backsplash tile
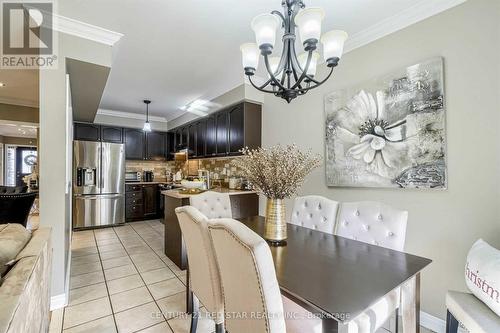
220,168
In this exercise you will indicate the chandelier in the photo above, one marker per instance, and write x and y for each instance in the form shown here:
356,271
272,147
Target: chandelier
291,75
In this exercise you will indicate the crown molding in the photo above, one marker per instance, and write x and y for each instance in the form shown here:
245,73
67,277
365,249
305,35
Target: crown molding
420,11
130,115
84,30
19,102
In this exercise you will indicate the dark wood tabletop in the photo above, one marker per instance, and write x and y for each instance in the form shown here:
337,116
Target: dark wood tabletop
335,276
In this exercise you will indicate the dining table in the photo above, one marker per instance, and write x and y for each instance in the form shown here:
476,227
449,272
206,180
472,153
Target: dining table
338,278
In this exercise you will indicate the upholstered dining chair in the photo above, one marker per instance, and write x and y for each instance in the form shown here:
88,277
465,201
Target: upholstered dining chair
374,223
252,298
204,279
315,212
378,224
212,204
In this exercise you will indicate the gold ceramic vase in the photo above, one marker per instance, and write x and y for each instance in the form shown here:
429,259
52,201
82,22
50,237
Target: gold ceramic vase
275,226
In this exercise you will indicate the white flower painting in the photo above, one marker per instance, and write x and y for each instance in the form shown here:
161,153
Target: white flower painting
389,132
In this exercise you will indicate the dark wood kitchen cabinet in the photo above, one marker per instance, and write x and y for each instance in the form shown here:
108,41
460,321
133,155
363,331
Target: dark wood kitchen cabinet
170,141
185,136
178,137
87,132
135,144
151,202
191,130
245,127
142,201
156,146
111,134
201,130
221,123
211,137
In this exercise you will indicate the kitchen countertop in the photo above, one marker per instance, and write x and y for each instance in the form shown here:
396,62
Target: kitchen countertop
145,183
175,193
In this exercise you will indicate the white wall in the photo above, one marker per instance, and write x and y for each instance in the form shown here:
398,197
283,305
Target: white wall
442,224
53,155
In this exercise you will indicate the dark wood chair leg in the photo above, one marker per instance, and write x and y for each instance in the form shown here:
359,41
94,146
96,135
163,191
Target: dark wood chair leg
451,323
219,328
195,313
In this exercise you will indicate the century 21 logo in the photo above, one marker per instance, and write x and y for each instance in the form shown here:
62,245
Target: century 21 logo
27,28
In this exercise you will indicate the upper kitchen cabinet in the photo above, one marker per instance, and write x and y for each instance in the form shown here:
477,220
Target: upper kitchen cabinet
111,134
224,132
201,131
135,144
156,146
170,142
211,136
221,120
87,132
191,129
245,127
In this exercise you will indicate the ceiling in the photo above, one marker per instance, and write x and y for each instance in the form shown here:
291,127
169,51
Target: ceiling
174,52
21,87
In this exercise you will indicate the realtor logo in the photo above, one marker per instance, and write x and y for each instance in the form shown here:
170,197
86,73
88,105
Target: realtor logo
27,35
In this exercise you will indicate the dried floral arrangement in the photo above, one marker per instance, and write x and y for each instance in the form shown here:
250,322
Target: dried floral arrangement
278,171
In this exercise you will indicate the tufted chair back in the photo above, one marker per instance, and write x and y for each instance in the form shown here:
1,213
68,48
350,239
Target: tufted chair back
248,279
212,204
201,257
315,212
13,189
374,223
15,208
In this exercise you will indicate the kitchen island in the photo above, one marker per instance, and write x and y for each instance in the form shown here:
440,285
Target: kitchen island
244,204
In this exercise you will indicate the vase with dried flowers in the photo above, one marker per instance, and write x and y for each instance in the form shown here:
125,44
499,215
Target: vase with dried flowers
277,172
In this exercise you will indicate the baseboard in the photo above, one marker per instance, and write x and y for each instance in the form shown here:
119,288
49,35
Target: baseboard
58,301
435,324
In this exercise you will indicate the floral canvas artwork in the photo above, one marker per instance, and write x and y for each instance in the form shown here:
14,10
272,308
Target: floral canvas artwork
390,131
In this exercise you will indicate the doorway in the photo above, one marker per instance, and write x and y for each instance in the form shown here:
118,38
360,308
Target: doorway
20,161
25,162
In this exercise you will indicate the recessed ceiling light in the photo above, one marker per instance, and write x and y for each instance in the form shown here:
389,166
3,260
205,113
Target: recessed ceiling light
2,84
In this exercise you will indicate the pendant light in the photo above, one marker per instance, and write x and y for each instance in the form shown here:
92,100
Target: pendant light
147,125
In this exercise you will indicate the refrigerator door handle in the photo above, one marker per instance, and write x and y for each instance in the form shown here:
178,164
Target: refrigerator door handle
87,197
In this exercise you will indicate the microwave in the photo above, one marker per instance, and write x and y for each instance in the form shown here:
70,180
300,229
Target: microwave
132,176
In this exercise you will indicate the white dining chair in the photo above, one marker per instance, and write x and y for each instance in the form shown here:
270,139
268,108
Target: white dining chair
204,279
315,212
382,225
251,290
374,223
212,204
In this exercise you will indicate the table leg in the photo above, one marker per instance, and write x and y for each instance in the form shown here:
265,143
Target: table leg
329,325
189,294
410,305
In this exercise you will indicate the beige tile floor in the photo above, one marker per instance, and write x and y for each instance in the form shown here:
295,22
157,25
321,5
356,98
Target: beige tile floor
121,281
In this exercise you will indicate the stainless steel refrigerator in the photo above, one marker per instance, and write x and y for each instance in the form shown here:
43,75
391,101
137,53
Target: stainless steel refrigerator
98,184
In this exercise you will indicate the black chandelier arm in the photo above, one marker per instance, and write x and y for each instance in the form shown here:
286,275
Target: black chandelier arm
278,13
283,59
271,74
304,72
319,83
261,88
